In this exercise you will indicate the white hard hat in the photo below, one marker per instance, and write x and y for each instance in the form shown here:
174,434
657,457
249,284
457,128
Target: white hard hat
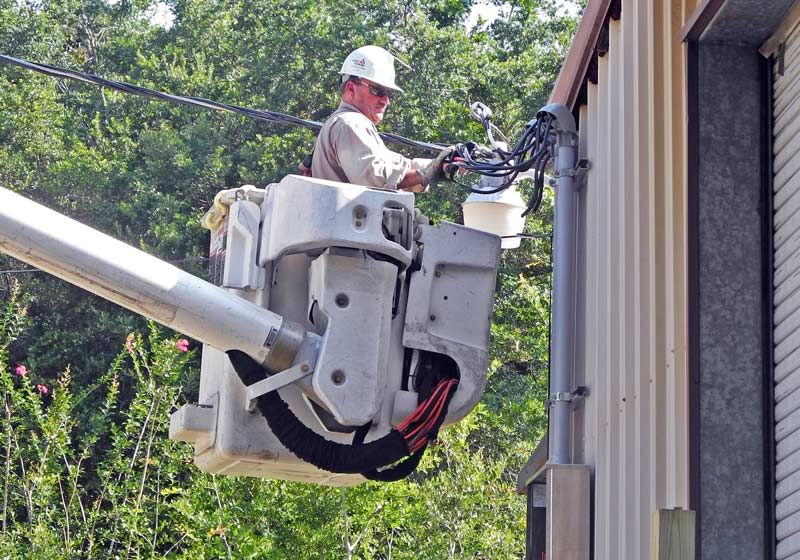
374,64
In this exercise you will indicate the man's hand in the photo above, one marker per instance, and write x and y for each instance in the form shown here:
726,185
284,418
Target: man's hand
305,165
434,171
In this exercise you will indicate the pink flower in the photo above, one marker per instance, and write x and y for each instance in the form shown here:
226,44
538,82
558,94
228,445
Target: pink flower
21,371
129,344
43,390
182,345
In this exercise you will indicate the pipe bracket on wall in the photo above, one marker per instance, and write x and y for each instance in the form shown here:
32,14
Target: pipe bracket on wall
578,172
578,394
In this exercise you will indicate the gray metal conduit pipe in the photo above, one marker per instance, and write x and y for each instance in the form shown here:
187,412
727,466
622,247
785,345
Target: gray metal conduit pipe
564,266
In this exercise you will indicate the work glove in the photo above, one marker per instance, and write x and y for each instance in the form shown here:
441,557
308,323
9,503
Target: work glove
434,171
305,165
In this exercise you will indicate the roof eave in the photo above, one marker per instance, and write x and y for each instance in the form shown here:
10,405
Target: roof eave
573,72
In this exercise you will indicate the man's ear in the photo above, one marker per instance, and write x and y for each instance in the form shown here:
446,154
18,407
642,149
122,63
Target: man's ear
347,88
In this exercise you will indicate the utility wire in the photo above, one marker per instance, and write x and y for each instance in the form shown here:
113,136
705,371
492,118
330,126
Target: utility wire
21,271
257,114
531,153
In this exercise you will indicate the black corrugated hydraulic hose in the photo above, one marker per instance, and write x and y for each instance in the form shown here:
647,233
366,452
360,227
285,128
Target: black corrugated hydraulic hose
308,445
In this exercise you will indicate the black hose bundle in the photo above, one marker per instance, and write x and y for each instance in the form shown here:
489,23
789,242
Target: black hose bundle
533,151
368,459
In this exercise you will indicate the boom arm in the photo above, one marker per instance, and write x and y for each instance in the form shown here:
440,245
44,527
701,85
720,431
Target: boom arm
144,284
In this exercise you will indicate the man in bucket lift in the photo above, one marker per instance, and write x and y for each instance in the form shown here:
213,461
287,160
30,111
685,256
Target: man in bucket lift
349,149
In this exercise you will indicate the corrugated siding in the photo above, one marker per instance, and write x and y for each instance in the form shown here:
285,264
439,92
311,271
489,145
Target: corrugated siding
632,268
786,109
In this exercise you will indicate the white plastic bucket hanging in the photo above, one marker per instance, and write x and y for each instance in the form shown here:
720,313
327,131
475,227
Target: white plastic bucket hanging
499,213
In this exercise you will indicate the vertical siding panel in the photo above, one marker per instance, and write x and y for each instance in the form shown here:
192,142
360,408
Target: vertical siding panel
588,120
640,372
647,250
594,343
604,480
679,287
660,184
616,287
669,250
630,534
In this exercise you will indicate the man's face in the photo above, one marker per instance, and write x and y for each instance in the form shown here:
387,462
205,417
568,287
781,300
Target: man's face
362,94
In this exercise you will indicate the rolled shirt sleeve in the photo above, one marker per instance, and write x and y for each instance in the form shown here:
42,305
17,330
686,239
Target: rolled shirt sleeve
366,160
349,149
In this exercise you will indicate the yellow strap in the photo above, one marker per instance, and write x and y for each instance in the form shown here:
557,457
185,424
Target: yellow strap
215,217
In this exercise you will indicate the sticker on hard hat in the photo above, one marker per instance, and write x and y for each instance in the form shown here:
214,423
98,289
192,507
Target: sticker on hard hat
362,63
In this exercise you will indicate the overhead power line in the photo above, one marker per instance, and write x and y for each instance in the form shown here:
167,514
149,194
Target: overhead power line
531,153
269,116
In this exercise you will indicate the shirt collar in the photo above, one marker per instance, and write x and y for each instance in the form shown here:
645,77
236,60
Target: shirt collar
345,106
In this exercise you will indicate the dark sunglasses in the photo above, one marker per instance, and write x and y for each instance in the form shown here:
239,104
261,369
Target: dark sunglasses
377,91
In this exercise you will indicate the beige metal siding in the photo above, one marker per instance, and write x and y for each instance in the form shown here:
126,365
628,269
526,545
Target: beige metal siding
632,271
786,109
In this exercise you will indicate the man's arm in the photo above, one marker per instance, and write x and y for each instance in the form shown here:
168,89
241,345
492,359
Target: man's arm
413,182
366,161
425,172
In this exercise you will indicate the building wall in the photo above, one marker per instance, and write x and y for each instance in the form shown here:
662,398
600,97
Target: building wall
731,221
673,312
632,294
731,504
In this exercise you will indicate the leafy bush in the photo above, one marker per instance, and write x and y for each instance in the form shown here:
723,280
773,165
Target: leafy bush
104,481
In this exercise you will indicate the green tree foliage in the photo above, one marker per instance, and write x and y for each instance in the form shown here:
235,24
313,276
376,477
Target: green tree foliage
88,470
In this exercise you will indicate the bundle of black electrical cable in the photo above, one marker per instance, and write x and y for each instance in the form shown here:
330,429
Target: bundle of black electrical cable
533,151
389,458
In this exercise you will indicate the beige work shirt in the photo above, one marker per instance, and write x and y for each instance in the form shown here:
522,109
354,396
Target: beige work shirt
349,150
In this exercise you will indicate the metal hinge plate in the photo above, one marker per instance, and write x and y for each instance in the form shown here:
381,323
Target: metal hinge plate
276,381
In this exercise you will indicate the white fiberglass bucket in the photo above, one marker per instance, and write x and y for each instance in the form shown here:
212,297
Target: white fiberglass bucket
499,213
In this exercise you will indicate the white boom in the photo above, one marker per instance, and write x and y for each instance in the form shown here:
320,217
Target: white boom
144,284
